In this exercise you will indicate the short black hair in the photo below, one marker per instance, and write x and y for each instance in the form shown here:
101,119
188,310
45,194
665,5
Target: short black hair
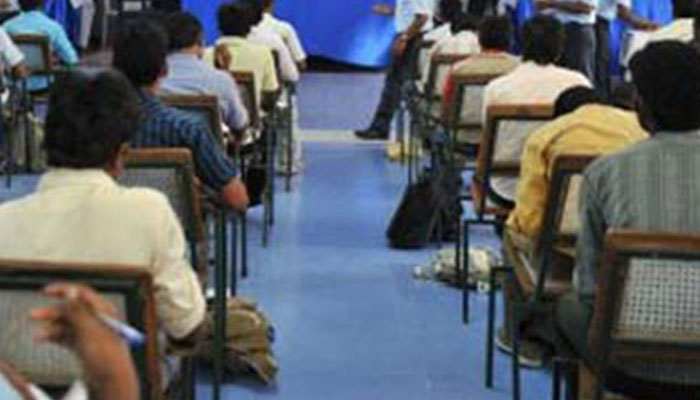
573,98
450,10
89,117
234,19
667,77
256,8
495,33
140,51
624,96
543,38
184,30
464,22
30,5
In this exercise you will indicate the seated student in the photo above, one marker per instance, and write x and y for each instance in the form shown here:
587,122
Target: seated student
72,323
495,35
140,51
261,35
652,186
32,20
536,81
235,24
79,214
188,74
286,31
462,41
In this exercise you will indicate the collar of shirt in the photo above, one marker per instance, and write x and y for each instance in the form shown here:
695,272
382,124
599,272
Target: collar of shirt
61,178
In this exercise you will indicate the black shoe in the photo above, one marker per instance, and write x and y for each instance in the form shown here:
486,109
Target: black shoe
371,134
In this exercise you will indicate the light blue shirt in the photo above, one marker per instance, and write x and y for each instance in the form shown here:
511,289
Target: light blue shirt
189,75
406,11
584,19
38,23
607,9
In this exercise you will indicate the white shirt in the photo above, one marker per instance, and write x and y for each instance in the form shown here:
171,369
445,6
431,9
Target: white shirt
9,52
288,34
584,19
83,216
529,83
465,42
272,40
406,11
607,9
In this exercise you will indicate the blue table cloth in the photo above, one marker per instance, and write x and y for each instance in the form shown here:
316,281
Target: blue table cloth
342,30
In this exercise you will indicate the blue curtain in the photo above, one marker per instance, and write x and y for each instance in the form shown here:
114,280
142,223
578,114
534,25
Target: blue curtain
63,13
342,30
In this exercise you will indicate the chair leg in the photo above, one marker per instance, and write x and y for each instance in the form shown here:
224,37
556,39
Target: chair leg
234,254
515,356
219,306
490,328
556,379
244,244
290,150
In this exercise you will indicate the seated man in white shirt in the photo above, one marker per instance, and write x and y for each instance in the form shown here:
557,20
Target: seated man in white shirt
261,35
286,31
536,81
79,214
188,74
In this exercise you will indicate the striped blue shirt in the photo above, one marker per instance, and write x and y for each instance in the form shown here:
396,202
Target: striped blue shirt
164,126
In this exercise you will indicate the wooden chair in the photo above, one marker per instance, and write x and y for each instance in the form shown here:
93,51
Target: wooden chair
632,326
171,171
206,106
518,122
54,367
539,280
260,152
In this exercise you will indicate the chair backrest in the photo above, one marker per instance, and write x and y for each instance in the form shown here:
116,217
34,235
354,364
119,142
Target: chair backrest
422,56
170,171
248,91
37,53
467,102
503,138
203,105
129,289
440,65
647,305
560,223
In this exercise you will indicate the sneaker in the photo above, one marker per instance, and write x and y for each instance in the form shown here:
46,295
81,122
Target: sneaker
371,134
531,354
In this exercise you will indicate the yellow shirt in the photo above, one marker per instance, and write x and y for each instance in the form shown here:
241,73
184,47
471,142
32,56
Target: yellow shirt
592,129
249,57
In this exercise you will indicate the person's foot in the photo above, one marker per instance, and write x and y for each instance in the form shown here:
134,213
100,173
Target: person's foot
531,354
371,134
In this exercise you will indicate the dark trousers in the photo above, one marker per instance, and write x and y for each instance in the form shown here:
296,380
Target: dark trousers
573,318
602,58
579,49
479,7
401,70
167,5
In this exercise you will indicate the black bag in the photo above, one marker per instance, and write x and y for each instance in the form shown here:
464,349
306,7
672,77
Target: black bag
431,198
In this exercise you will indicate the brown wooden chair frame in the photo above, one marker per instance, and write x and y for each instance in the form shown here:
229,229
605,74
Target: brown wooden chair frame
198,104
133,283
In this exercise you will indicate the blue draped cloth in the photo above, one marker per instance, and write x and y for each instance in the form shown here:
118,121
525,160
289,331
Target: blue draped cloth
342,30
348,30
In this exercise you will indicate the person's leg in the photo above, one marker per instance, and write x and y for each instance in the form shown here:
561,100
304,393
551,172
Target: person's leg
87,17
400,70
579,49
602,52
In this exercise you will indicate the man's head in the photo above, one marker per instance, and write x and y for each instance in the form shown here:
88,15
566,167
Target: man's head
91,118
185,32
667,77
624,96
464,22
234,19
30,5
495,33
543,38
573,98
140,52
256,10
268,5
449,10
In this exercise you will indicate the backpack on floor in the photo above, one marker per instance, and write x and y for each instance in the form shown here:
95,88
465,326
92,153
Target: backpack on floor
430,198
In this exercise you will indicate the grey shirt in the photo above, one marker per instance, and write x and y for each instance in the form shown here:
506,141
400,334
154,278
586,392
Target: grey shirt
187,74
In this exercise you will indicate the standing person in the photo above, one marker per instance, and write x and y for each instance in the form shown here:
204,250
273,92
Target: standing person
607,11
578,18
412,18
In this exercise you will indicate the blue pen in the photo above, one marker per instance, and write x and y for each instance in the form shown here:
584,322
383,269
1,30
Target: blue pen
128,333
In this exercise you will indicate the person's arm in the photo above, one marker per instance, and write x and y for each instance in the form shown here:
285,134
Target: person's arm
626,15
17,381
234,112
573,7
414,30
591,240
63,47
73,324
289,70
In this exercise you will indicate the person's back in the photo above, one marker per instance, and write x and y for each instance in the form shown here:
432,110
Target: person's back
286,30
590,128
79,214
188,74
651,186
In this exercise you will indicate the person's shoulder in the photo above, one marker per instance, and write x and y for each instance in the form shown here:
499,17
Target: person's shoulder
606,165
144,204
